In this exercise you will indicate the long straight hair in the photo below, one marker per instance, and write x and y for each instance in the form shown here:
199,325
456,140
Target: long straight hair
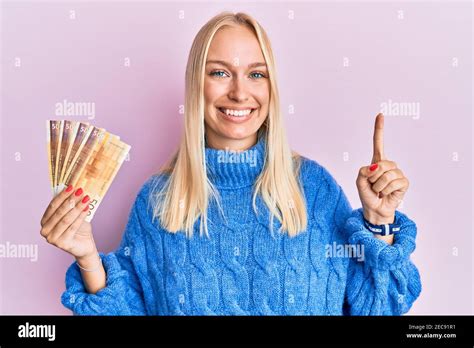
185,195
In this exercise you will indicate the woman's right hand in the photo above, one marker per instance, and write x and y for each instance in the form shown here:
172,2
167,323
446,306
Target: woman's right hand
63,224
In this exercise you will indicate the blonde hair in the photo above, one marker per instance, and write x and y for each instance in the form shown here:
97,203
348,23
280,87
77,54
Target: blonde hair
185,195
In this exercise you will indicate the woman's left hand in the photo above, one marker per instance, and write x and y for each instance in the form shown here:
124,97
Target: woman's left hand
381,185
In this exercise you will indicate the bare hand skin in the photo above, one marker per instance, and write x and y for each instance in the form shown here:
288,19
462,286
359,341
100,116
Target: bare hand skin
63,226
381,189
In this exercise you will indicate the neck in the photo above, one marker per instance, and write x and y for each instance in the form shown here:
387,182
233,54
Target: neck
232,168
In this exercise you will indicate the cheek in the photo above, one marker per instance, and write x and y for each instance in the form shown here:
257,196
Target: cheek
211,94
213,91
263,96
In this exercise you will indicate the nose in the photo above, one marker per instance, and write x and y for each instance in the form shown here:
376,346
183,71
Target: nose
238,91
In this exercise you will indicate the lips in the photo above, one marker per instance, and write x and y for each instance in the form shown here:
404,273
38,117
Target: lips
240,112
235,118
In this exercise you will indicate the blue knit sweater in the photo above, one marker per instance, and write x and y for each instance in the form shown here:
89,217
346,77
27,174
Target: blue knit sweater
335,267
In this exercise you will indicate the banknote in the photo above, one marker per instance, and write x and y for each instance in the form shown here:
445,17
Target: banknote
101,169
94,139
85,156
58,151
67,136
82,132
53,135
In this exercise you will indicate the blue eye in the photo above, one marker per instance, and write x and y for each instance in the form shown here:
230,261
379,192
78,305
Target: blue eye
258,73
214,73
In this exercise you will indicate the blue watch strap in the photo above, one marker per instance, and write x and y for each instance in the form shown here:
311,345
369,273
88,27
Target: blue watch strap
383,230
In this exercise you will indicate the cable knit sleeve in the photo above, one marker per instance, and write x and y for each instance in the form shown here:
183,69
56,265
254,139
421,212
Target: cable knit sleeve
124,292
384,281
370,277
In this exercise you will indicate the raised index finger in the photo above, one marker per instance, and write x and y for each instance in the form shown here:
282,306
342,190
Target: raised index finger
56,203
378,153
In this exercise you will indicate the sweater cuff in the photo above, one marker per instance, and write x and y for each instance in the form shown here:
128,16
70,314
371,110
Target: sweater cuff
79,301
377,253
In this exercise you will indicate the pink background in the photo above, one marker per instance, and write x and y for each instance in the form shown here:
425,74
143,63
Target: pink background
407,59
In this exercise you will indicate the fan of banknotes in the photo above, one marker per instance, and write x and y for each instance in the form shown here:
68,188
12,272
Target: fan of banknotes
85,156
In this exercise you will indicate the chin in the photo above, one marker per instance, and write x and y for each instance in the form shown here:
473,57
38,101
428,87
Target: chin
237,135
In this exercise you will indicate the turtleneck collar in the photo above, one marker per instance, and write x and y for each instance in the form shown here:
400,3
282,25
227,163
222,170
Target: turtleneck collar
233,169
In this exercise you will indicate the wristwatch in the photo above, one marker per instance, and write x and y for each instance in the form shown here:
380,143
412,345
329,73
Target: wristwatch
383,230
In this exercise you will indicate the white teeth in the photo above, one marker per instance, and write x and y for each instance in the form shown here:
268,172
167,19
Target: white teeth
238,113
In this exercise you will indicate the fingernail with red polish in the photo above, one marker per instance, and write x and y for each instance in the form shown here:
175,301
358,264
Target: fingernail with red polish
78,192
373,167
69,188
85,209
85,199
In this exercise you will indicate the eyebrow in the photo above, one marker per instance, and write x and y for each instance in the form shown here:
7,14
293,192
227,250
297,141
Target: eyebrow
252,65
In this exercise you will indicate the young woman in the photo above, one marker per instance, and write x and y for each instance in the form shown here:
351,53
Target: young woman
237,223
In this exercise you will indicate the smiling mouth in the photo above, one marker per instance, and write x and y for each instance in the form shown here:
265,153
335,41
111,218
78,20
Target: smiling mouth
237,113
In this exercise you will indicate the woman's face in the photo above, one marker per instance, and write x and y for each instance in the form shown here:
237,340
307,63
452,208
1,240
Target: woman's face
236,89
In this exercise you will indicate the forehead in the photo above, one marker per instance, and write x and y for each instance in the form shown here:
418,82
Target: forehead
235,42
